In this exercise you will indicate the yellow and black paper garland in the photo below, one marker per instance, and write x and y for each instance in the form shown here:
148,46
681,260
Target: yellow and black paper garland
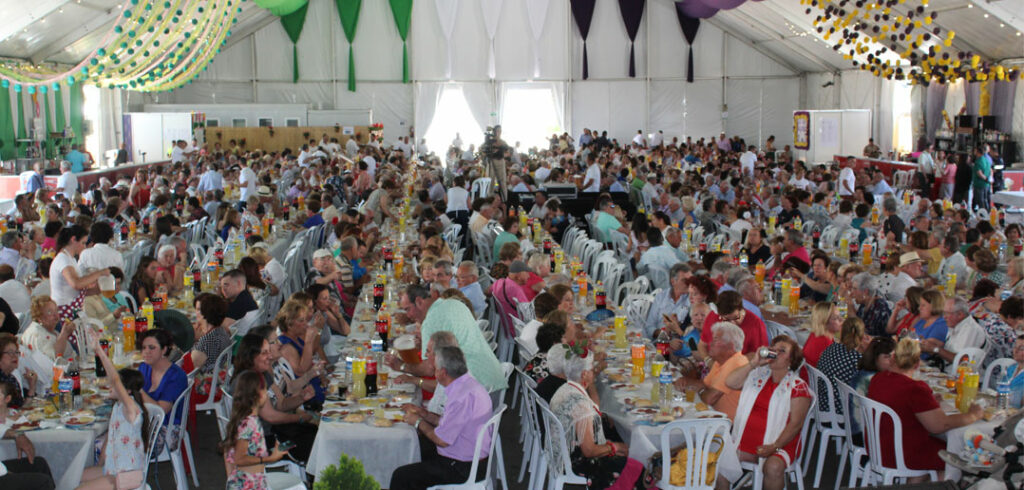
900,40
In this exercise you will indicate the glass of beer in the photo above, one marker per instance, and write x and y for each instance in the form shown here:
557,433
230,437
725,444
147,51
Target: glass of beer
382,378
406,347
106,284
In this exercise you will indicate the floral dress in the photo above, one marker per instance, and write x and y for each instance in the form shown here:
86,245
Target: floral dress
125,448
575,410
249,430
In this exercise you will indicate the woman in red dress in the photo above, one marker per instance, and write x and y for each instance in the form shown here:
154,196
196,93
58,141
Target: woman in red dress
771,411
919,412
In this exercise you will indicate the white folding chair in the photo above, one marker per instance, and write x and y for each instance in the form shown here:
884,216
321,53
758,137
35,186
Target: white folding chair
637,308
701,437
872,413
530,435
219,367
850,450
828,422
775,329
998,368
173,445
493,459
794,470
156,418
967,354
555,454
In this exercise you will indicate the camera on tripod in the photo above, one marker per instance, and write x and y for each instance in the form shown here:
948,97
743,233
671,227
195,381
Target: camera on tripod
493,147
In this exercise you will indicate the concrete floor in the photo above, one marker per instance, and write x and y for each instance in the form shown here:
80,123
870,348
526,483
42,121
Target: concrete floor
211,465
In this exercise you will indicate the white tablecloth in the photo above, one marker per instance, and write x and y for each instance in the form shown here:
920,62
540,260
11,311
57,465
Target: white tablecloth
644,440
1009,198
381,450
67,452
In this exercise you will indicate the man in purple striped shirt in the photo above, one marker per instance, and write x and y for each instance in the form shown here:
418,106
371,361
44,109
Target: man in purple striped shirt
466,411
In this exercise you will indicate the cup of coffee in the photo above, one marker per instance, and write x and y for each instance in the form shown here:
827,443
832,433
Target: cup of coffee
407,350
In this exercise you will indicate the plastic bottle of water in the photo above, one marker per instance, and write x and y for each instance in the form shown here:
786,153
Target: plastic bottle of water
64,387
1002,395
777,290
665,385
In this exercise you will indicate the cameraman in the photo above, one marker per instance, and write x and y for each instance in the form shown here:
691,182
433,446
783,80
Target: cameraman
495,151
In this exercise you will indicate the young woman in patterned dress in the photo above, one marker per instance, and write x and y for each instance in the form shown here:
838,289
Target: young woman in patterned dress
245,449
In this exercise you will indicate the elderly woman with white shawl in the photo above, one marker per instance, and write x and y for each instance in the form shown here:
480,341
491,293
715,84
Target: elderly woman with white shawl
773,405
605,463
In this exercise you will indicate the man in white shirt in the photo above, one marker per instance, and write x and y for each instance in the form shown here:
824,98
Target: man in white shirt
211,180
457,142
911,268
926,164
639,139
352,147
371,163
964,331
543,172
469,155
247,181
13,291
592,180
953,262
100,255
67,183
304,156
180,152
747,161
657,139
881,187
847,182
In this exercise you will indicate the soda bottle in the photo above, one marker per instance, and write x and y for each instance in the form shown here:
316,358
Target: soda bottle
128,332
600,297
798,224
382,325
187,289
76,377
147,309
124,232
638,355
784,297
158,302
662,343
389,255
141,325
131,228
101,372
145,225
657,367
745,259
794,300
703,249
197,279
358,388
371,374
378,293
817,237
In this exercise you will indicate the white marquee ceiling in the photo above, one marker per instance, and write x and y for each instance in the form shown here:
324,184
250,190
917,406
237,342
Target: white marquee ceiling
65,31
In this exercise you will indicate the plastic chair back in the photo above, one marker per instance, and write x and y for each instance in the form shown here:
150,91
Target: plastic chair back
998,368
699,437
967,354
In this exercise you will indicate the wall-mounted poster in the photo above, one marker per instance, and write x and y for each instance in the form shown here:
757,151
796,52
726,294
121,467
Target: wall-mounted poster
801,130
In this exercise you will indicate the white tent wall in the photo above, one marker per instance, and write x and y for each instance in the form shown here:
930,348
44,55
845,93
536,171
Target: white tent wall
756,87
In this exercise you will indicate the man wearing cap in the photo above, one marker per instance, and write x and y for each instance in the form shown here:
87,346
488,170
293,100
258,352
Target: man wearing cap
528,281
911,268
325,271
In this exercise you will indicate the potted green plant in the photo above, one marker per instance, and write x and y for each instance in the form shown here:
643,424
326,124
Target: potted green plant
348,474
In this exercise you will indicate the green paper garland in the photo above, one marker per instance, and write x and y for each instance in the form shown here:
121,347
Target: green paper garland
292,24
76,104
348,12
49,121
402,12
7,146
